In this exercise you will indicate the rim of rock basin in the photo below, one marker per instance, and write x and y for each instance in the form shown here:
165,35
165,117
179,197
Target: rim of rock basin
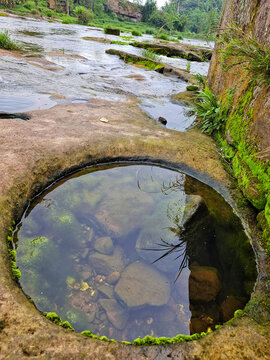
149,340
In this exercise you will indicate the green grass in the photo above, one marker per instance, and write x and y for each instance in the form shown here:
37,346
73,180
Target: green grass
7,43
119,42
150,55
136,33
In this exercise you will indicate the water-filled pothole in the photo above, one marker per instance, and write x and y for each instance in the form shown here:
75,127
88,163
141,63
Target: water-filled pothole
126,251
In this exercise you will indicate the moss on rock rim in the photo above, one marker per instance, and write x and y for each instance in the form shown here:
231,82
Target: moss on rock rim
16,274
238,148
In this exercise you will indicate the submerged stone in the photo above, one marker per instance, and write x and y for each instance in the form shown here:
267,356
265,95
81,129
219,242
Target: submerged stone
104,245
113,277
107,290
114,211
115,312
204,283
141,285
106,264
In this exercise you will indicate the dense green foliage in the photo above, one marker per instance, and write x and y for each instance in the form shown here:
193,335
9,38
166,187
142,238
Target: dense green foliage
192,17
211,112
195,16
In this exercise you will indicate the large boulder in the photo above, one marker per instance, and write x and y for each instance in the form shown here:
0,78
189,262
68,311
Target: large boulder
204,283
141,285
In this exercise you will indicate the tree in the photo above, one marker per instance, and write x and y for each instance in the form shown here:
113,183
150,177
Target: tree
148,9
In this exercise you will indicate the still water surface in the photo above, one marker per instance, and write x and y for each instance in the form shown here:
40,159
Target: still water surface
111,250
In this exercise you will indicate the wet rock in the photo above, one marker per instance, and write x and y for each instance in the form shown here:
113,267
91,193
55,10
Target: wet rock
198,325
185,96
141,285
106,264
113,277
115,312
230,305
83,213
194,203
162,120
85,253
115,214
192,88
107,290
86,275
104,245
110,31
98,39
204,283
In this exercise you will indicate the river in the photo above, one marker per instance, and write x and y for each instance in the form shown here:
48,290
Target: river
25,85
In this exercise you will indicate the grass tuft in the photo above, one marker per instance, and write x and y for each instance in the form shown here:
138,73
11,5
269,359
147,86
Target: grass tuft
8,44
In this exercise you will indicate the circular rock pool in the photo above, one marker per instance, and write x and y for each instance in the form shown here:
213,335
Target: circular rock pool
135,250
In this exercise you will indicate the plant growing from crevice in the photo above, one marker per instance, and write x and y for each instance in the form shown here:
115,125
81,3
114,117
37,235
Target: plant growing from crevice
8,44
211,112
238,48
150,55
16,274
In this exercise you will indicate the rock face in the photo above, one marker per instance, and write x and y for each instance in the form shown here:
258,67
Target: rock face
247,129
204,283
141,285
124,9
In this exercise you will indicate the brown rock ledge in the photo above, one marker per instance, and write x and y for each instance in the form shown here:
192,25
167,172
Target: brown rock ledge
35,153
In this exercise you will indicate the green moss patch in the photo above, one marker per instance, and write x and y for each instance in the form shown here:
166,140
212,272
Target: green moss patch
150,340
240,150
52,316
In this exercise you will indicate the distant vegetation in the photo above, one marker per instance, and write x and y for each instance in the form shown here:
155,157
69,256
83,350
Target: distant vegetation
191,18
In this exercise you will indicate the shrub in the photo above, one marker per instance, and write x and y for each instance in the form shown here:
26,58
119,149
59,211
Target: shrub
7,43
163,36
245,50
35,12
84,15
29,5
180,37
67,20
149,31
136,33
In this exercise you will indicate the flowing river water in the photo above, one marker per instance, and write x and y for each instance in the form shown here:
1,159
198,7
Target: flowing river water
89,74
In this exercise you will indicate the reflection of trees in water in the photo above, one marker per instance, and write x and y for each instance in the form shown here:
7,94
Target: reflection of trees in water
180,249
162,186
190,237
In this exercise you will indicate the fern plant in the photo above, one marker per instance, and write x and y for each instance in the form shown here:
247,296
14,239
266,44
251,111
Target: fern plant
211,112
